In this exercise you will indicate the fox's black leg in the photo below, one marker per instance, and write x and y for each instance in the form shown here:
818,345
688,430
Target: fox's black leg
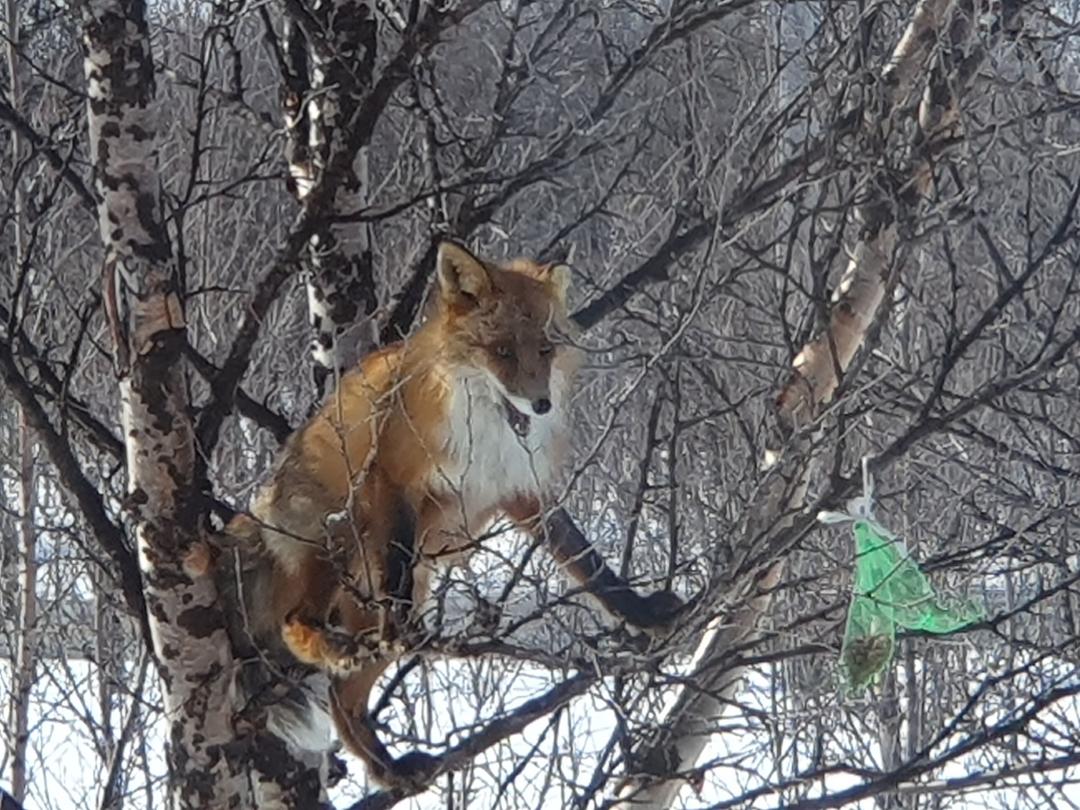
569,546
401,561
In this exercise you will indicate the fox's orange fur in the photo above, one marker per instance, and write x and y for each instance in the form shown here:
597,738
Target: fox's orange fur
421,446
464,421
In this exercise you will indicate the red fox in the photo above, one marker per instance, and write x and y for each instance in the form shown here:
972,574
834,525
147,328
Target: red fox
420,448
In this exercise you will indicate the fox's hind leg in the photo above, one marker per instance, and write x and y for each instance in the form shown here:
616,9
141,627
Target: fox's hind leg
329,648
372,602
304,596
387,621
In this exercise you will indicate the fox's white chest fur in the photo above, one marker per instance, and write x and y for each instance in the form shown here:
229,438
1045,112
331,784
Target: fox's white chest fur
488,463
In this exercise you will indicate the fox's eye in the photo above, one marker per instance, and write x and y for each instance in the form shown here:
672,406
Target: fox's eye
504,352
546,349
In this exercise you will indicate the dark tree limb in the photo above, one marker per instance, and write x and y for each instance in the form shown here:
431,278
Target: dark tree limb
250,407
56,389
226,381
653,270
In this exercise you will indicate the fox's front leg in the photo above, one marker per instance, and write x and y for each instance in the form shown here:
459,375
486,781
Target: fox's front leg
306,586
304,590
568,545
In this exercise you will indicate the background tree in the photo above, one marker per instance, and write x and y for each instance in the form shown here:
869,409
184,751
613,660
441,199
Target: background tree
883,193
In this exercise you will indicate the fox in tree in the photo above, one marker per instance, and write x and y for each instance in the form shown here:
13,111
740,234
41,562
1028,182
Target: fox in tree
420,448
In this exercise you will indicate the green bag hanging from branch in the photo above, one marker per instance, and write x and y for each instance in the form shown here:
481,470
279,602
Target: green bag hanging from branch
888,590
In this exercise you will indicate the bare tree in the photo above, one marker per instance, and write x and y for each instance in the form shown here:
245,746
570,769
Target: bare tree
146,318
881,193
24,658
871,275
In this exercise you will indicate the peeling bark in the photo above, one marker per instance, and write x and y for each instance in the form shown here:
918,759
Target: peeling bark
148,325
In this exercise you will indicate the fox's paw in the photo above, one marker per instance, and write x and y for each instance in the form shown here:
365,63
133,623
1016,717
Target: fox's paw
662,609
412,771
306,642
655,617
346,652
333,649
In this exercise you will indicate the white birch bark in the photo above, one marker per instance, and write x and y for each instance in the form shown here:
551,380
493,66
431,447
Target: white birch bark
689,721
208,765
148,326
340,54
26,650
858,296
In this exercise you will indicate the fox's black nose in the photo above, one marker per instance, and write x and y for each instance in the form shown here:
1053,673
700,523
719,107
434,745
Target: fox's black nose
542,405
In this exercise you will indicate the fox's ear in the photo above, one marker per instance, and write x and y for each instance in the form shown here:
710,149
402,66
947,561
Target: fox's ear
462,276
557,277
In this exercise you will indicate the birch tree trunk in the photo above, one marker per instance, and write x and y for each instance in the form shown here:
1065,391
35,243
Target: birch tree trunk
330,52
26,646
25,653
147,320
207,768
688,723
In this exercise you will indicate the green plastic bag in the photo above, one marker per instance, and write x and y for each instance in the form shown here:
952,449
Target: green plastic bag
888,591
